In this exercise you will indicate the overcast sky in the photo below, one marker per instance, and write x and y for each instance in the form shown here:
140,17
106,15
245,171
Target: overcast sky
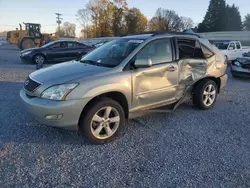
13,12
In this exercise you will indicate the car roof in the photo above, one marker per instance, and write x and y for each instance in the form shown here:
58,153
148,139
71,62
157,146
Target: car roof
148,35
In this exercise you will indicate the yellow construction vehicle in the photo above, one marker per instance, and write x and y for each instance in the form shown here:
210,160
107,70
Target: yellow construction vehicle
30,37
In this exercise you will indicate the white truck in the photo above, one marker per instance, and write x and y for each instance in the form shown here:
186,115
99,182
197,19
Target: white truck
231,49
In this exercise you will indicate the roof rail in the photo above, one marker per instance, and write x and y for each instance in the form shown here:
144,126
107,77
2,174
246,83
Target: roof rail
177,33
153,33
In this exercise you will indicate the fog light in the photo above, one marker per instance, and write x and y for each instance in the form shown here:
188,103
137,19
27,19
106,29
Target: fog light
53,116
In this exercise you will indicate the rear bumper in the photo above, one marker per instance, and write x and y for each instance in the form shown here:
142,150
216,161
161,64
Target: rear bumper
223,80
69,111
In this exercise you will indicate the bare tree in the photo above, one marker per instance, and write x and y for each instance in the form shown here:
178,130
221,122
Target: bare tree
165,20
83,16
68,29
187,23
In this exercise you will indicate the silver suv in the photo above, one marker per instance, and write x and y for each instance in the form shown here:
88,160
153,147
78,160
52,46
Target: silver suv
122,78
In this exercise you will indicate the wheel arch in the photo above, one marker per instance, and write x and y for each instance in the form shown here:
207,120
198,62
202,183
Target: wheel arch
114,95
39,53
216,80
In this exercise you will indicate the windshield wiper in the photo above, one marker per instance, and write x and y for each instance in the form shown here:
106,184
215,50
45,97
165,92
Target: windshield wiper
91,62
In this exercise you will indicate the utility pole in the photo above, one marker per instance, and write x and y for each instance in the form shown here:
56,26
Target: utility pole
58,21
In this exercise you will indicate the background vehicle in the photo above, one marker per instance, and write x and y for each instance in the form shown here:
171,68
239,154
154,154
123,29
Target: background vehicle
56,51
30,37
231,49
241,67
125,76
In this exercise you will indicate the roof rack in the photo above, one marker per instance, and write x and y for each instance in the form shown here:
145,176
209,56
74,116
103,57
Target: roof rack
176,33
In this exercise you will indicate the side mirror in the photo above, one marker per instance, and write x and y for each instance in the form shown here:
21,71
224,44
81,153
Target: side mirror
143,63
230,48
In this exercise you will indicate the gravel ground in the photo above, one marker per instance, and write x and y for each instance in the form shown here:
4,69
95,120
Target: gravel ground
186,148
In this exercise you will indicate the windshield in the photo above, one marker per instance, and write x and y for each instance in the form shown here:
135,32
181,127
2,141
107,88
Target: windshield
49,44
222,45
112,53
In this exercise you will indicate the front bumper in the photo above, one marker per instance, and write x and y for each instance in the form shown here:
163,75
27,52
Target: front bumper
69,110
239,71
26,58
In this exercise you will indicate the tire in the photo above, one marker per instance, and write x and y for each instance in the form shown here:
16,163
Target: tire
39,59
27,43
204,100
95,120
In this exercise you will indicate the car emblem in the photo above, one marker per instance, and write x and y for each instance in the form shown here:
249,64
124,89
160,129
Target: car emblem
26,82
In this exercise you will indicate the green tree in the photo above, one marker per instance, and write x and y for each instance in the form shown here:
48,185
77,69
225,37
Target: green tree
233,19
135,21
246,23
215,18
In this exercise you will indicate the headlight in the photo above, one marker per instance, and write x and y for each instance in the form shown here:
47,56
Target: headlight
237,63
26,53
58,92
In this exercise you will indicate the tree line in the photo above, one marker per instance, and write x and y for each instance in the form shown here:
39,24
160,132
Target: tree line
223,17
102,18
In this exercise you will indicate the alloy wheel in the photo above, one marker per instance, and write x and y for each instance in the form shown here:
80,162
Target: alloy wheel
105,122
209,95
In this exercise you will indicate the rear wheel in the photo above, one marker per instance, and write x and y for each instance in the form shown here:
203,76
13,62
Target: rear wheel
205,94
27,43
103,121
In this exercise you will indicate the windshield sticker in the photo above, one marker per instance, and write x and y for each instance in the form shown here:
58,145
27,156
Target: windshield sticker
136,41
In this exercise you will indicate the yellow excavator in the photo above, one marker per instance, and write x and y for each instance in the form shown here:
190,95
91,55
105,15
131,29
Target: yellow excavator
30,37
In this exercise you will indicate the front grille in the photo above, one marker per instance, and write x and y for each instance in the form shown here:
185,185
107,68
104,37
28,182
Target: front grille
246,66
31,85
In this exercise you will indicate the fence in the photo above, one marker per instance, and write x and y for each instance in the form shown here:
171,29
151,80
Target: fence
243,36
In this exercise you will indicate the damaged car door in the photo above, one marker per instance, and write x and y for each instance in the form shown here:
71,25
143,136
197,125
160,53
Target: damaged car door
155,76
191,63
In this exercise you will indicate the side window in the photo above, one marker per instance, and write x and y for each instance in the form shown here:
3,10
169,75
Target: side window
159,51
207,53
64,45
238,45
231,46
71,44
56,45
189,49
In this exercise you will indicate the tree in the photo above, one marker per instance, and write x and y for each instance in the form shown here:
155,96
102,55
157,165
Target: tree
215,18
67,29
136,22
233,18
165,20
246,23
83,16
187,23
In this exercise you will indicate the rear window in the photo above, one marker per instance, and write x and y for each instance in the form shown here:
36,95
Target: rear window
206,52
189,49
238,45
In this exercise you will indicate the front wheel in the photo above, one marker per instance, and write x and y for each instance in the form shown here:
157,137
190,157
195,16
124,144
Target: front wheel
103,121
39,59
205,94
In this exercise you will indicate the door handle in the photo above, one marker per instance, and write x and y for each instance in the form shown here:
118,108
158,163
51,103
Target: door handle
171,68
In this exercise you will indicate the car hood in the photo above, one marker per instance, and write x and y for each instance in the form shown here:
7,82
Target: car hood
29,49
66,72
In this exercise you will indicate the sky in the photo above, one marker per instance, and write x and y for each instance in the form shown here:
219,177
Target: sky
13,12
